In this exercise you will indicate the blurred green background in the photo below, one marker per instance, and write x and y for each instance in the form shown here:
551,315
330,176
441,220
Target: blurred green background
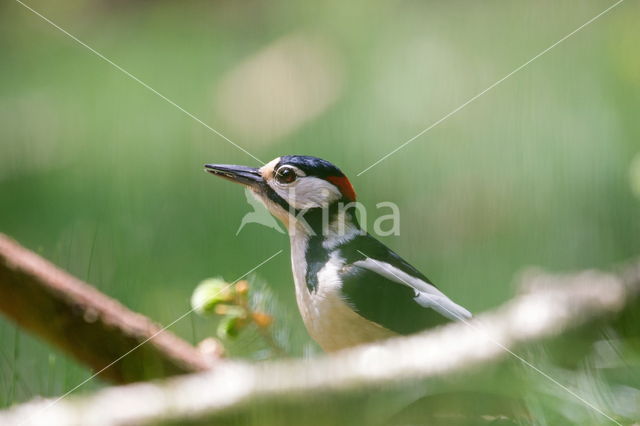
105,179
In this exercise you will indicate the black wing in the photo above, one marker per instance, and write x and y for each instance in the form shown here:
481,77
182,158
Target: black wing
381,299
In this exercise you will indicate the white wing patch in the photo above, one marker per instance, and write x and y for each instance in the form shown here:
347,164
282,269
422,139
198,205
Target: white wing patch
428,296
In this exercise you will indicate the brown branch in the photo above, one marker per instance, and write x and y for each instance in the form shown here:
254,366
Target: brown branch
90,326
338,388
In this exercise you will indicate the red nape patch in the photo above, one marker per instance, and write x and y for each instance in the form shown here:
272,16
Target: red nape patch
344,186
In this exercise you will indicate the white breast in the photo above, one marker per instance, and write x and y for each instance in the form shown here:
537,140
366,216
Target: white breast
328,318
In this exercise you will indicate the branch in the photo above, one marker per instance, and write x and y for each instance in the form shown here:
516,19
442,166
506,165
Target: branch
93,328
332,388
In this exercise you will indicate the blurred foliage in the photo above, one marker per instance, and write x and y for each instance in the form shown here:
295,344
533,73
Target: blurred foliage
242,309
105,179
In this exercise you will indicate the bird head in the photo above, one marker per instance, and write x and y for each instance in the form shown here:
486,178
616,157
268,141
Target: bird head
291,184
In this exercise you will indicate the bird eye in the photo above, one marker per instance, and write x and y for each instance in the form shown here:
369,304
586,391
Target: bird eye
285,175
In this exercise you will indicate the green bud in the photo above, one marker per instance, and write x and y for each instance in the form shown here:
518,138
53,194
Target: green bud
229,327
209,293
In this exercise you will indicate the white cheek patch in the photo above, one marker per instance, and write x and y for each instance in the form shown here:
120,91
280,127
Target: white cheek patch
308,192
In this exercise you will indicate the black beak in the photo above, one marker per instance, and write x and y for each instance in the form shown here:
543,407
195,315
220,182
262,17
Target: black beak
240,174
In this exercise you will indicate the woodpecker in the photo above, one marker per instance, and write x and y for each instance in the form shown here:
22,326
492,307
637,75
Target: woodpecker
350,288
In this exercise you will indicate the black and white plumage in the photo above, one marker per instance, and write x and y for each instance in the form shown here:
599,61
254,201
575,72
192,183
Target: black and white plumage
350,287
